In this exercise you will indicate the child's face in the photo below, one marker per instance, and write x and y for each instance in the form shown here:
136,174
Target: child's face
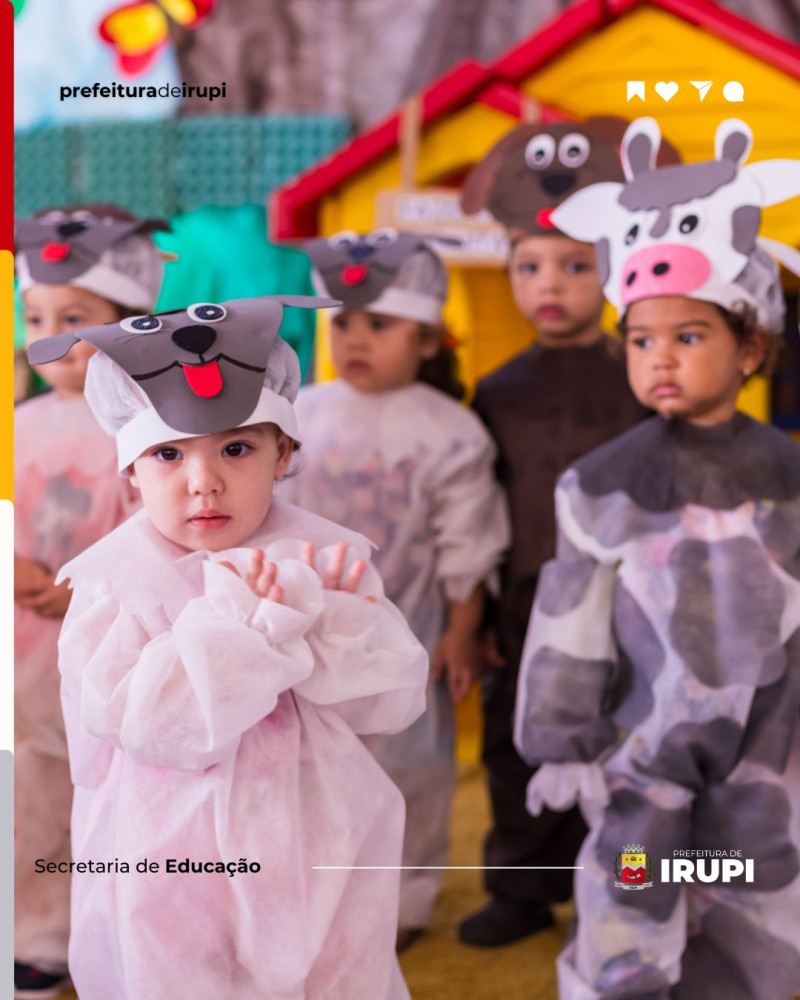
684,361
556,287
54,309
214,491
375,353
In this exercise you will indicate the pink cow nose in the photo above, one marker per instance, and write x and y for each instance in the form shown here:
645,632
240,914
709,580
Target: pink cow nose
663,269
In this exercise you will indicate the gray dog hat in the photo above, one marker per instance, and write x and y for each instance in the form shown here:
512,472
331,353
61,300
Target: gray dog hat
93,249
395,274
194,371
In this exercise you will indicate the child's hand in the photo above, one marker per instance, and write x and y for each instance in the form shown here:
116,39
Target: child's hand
491,657
332,578
51,601
260,577
457,655
29,578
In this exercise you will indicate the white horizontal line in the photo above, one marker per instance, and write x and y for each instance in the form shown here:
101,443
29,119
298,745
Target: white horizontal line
445,868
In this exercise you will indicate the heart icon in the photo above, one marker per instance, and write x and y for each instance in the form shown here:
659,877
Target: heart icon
666,91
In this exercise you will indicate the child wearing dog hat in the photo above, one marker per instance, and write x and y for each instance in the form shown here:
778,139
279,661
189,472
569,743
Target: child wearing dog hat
388,451
544,408
660,681
76,267
222,653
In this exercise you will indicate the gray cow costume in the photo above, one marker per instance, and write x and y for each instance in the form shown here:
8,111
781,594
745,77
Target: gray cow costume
660,681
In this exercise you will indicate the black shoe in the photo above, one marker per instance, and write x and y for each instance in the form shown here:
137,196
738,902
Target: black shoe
503,921
31,983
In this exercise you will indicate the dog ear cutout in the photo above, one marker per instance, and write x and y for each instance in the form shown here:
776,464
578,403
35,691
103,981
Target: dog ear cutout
51,348
304,301
604,128
154,226
476,188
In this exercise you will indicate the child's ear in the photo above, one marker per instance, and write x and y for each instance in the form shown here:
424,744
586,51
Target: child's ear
285,452
430,342
753,352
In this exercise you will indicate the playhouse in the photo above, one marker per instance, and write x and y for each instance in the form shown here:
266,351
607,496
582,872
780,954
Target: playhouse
575,66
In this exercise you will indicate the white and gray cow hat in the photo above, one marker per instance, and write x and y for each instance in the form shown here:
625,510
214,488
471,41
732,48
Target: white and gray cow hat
189,372
688,229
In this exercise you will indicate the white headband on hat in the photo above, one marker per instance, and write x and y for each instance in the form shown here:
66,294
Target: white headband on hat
404,304
148,429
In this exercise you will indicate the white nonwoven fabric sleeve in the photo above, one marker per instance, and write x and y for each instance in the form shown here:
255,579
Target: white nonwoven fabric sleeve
183,699
470,517
369,667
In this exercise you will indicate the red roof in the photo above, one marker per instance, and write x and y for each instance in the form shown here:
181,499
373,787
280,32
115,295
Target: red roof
293,207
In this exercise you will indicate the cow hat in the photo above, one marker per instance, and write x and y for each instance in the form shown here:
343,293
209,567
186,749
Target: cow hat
688,229
534,167
98,247
194,371
386,272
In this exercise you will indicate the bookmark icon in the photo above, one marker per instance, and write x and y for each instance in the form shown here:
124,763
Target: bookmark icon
635,89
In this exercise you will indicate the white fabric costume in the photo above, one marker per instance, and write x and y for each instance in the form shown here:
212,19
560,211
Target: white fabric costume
413,471
206,723
67,496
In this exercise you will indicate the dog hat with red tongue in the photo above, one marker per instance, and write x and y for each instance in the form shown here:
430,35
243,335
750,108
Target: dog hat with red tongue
386,272
533,168
99,248
201,370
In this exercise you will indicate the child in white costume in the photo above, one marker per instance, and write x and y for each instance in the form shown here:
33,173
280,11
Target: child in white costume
76,267
217,665
404,463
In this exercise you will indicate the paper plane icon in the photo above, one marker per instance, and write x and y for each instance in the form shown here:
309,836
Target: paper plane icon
703,87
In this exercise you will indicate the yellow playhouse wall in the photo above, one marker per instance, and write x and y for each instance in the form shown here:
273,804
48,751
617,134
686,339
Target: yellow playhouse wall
651,45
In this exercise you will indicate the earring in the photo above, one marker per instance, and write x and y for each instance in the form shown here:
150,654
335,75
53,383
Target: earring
747,372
